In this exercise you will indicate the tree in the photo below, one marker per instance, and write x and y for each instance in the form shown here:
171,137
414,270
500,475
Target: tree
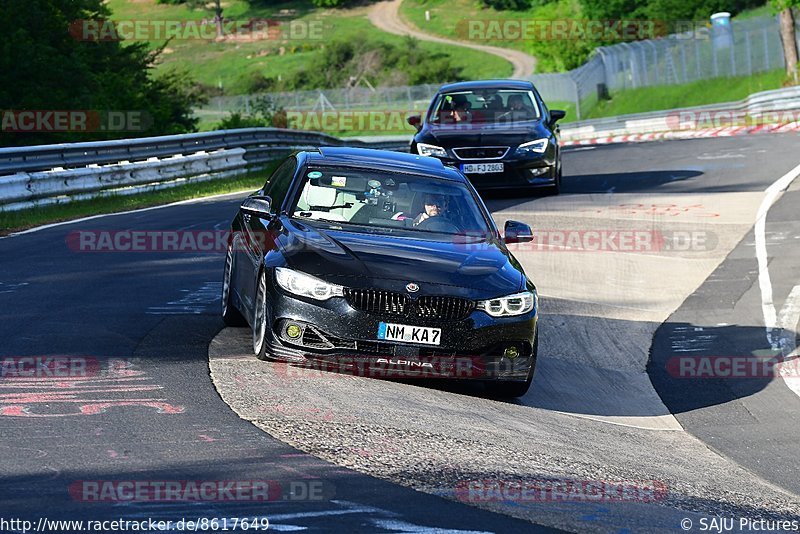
788,38
46,67
218,18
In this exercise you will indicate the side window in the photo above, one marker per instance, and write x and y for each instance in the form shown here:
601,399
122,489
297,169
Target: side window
279,183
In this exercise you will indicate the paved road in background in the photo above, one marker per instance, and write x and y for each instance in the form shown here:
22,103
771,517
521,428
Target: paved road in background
386,16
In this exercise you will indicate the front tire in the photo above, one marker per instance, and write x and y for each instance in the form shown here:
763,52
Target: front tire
230,315
555,189
260,319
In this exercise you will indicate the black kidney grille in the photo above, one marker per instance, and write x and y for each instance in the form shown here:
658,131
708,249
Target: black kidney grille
447,308
400,305
378,302
489,152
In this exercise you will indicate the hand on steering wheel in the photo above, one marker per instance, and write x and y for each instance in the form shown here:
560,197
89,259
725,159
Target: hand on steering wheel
438,224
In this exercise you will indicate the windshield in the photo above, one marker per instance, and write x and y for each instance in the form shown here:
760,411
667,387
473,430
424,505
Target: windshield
388,200
484,106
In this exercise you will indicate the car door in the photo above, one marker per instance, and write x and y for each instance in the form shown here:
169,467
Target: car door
257,238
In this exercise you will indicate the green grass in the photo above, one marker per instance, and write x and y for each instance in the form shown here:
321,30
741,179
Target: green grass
452,19
702,92
14,221
223,64
448,18
569,107
764,11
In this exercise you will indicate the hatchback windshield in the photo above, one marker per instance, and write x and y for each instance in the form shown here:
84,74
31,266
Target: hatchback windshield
484,106
388,200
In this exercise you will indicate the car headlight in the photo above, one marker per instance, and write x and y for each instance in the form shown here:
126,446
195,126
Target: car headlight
431,150
517,304
306,285
538,146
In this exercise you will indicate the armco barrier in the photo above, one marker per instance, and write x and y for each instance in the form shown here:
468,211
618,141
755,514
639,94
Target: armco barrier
41,175
49,174
787,99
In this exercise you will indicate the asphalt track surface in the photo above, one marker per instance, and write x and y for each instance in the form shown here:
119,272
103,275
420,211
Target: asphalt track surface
150,412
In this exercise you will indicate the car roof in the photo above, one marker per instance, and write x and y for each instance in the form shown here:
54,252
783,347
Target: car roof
383,160
486,84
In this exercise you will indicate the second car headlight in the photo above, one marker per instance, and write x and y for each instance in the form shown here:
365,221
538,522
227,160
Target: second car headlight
517,304
538,146
431,150
306,285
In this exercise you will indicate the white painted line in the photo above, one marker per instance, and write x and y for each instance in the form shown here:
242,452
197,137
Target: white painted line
788,319
773,192
394,525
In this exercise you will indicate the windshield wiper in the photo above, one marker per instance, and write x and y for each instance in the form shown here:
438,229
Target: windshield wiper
346,205
308,216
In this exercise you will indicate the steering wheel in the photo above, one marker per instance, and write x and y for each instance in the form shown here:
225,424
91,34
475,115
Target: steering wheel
438,224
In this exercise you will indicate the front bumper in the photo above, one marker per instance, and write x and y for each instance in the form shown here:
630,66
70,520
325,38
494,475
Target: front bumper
336,337
520,170
517,173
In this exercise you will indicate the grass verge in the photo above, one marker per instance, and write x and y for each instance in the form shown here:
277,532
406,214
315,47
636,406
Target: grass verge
226,64
15,221
699,93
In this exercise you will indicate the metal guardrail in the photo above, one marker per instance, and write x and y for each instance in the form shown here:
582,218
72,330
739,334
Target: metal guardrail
257,140
49,174
787,99
41,175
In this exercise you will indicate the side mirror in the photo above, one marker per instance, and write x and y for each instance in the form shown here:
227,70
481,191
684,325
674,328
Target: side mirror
517,232
415,121
556,115
258,206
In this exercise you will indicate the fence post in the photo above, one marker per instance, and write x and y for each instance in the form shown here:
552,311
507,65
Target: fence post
697,59
748,53
577,98
656,77
683,64
645,76
714,54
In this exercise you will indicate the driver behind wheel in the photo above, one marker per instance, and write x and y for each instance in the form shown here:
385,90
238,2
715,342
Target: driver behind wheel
434,206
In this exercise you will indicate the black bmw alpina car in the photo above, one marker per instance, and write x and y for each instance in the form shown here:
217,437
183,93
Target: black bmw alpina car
499,133
383,263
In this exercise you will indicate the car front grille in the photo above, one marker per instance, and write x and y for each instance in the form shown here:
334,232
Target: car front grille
481,152
392,304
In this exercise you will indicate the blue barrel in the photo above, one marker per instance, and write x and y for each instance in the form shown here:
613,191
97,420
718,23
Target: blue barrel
721,30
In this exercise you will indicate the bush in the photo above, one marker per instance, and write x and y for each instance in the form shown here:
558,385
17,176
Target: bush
264,113
347,63
507,5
